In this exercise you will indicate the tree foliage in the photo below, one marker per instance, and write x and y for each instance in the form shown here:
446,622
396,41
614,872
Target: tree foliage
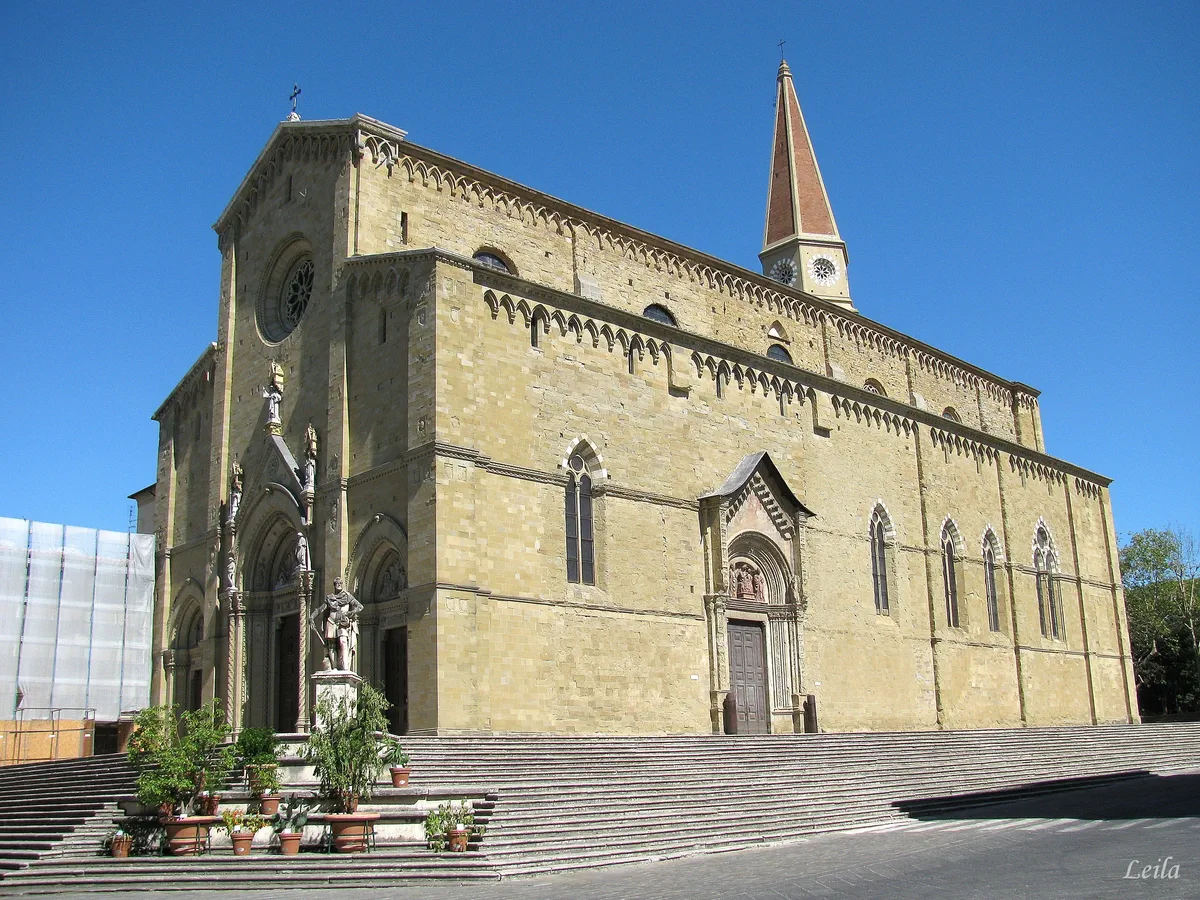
1160,570
179,755
348,747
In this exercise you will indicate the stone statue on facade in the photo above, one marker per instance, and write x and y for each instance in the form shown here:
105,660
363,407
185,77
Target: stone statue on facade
235,491
303,560
230,571
273,394
337,623
310,457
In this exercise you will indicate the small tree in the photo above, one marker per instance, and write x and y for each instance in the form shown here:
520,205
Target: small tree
345,749
1160,570
179,756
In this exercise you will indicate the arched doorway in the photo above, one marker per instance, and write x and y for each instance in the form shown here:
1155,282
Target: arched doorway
271,591
188,687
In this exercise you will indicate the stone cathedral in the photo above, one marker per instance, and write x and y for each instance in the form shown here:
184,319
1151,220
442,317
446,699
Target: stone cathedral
584,479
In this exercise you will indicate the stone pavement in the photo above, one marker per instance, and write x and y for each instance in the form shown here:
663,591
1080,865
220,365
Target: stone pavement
1081,844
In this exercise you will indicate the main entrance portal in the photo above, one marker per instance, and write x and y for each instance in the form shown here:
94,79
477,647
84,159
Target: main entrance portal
748,677
287,674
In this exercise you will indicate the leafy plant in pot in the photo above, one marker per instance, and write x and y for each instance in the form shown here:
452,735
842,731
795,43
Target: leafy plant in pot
289,825
346,752
177,756
258,751
119,843
241,828
451,826
396,760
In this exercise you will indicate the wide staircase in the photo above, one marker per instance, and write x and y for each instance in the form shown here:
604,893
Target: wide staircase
570,802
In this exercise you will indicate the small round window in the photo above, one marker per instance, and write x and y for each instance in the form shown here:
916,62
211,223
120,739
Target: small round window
286,296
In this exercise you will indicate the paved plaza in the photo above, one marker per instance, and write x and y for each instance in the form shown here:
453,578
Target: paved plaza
1139,838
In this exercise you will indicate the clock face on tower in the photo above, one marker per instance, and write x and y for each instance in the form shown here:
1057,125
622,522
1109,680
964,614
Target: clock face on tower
784,272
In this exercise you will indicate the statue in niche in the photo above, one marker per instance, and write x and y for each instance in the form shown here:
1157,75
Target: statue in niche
235,491
393,581
273,394
302,558
230,571
310,457
337,624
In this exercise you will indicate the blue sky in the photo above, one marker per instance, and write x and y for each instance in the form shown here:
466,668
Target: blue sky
1017,183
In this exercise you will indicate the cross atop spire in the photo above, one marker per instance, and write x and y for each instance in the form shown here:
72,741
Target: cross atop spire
800,226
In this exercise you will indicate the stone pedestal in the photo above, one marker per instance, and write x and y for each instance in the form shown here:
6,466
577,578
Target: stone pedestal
338,686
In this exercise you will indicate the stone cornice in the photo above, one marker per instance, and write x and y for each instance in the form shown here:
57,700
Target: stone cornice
385,146
937,425
189,381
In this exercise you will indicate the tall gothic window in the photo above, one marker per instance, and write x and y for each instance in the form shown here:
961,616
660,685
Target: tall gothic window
880,560
581,546
1045,562
989,586
879,567
950,577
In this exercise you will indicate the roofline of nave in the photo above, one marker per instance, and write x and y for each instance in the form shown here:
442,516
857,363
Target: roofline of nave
365,124
487,277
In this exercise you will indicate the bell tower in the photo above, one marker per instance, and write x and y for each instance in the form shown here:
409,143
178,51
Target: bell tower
801,244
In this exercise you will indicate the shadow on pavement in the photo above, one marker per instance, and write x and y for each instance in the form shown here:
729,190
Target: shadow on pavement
1131,795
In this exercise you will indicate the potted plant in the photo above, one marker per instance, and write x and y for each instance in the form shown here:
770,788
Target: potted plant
396,760
241,828
119,843
257,750
289,825
345,750
178,757
451,826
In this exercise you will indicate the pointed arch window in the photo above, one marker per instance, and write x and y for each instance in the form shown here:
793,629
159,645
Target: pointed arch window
880,534
659,313
581,544
950,576
779,354
1045,564
991,595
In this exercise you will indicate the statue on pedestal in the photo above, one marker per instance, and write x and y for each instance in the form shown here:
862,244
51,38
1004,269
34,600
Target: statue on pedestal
310,458
235,491
337,623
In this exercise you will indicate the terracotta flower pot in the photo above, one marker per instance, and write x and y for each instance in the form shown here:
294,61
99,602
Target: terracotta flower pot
351,831
400,775
121,845
268,806
241,842
187,835
207,804
289,844
457,838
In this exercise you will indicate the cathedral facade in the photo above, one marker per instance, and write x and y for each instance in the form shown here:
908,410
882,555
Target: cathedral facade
584,479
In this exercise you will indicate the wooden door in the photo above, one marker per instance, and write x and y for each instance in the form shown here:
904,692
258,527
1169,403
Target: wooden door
748,677
395,678
287,674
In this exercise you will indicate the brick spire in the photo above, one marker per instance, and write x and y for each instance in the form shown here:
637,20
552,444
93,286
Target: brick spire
796,200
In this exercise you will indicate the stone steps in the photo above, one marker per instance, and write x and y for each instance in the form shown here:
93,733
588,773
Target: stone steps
556,803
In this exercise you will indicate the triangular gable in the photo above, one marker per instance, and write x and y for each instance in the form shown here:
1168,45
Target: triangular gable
758,474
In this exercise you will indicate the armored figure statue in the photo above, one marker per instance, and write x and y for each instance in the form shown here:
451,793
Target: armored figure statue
337,623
